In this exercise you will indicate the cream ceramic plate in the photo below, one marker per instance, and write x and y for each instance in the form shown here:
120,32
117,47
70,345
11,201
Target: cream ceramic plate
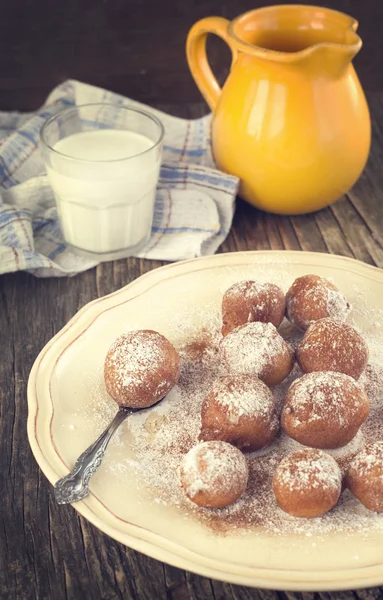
67,372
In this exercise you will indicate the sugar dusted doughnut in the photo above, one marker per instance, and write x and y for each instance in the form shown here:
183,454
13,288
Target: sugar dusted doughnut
311,298
307,483
330,345
140,368
346,454
324,409
239,409
214,474
249,301
257,349
365,476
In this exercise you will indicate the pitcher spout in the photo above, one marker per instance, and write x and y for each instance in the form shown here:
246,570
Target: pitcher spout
333,58
298,34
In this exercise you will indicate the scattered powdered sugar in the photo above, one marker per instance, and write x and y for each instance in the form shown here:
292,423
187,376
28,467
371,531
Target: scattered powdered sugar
349,450
308,468
250,348
343,455
213,467
243,395
157,439
280,391
99,412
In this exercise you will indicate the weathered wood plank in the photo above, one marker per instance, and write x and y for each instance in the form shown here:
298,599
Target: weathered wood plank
332,234
176,585
287,233
356,232
308,233
200,588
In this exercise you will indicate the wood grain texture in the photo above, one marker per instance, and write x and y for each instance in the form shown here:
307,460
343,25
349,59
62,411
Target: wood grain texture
134,47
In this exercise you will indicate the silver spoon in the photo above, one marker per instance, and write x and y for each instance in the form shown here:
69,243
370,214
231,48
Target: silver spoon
75,486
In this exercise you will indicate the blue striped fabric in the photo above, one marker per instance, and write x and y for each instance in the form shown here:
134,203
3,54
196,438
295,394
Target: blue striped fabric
194,202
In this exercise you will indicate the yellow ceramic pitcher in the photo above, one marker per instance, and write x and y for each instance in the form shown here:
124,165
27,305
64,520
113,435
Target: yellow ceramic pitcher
291,120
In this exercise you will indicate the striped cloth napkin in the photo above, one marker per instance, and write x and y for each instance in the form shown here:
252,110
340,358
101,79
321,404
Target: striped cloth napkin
194,202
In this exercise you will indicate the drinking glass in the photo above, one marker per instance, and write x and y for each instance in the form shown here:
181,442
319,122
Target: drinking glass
103,162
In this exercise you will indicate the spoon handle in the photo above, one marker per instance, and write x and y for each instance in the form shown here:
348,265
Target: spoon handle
75,485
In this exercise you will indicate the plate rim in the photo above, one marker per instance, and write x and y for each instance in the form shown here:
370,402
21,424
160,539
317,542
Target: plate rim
265,578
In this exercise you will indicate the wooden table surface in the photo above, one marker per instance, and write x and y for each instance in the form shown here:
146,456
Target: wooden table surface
136,48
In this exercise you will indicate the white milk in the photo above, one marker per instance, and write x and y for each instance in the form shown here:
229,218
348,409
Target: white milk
105,206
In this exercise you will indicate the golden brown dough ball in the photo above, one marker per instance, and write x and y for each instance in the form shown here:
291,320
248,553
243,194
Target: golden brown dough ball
140,368
239,409
330,345
249,301
365,476
311,298
324,409
257,349
307,483
214,474
346,454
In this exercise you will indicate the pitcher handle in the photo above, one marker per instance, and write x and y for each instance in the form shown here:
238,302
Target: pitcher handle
197,59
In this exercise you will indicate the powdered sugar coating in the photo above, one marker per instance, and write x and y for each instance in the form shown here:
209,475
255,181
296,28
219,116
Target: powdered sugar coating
365,476
307,483
214,474
369,460
243,395
324,409
337,305
140,368
309,467
239,409
331,345
257,349
311,298
248,301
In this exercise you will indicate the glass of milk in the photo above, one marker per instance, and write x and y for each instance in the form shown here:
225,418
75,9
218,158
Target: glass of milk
103,163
